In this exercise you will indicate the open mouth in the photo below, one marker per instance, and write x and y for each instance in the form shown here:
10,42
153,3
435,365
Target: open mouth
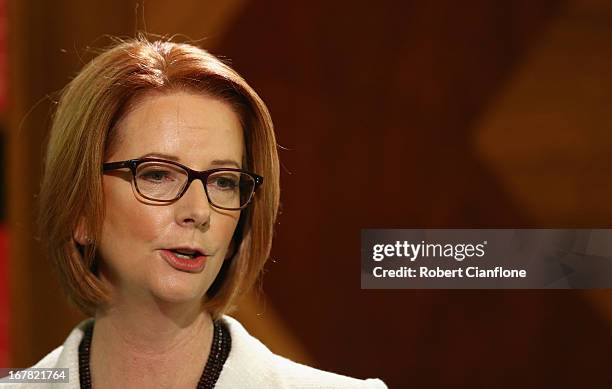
186,253
185,259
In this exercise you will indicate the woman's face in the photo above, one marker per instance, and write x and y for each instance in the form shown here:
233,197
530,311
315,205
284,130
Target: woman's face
200,132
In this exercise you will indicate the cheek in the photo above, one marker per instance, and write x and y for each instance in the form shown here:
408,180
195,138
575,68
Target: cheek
128,221
223,227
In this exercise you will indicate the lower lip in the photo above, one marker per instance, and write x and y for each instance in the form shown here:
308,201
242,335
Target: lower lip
189,265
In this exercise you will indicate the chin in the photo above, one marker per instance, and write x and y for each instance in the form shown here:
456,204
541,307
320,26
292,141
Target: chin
173,291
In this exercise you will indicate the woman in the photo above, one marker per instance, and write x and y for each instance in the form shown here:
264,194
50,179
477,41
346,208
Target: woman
157,206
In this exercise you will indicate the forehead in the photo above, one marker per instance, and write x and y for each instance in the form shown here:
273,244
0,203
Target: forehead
195,128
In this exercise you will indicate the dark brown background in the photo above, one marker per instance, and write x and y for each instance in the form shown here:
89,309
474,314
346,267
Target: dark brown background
390,114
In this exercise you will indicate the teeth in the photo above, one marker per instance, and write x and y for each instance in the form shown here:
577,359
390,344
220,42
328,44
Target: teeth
186,254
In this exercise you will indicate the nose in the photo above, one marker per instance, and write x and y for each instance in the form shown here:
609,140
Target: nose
193,207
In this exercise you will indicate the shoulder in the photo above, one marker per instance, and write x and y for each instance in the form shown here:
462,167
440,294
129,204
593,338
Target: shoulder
49,361
64,356
296,375
251,364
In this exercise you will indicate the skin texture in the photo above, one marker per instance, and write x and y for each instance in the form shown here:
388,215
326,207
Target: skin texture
155,323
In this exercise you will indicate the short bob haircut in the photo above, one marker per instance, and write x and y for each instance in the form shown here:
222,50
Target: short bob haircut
84,130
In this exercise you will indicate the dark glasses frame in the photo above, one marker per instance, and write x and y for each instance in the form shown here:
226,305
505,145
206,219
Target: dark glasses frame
192,175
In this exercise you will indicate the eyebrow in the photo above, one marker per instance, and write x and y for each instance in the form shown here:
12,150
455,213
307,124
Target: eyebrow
216,162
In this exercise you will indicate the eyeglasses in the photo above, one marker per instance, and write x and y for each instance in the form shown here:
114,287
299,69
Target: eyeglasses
167,181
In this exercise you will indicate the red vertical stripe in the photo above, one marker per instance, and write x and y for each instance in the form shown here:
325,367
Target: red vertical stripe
4,297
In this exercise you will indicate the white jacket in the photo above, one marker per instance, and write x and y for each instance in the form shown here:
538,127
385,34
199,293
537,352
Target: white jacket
250,365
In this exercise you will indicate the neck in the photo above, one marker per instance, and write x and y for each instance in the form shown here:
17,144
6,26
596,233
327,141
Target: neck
156,344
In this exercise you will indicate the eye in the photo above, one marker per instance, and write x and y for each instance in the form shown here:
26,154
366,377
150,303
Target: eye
156,175
225,182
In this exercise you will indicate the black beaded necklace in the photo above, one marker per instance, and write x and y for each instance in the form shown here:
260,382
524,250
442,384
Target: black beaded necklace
219,351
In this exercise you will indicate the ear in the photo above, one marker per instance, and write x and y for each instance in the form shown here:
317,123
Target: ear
80,234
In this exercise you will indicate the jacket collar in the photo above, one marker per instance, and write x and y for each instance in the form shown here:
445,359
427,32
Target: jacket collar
248,364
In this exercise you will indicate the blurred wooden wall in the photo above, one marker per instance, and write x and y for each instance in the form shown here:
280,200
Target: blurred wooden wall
380,108
391,115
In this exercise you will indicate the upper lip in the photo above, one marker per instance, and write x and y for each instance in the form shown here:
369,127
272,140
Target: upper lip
198,250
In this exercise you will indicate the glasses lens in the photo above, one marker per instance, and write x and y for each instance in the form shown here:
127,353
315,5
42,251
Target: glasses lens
160,181
229,189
